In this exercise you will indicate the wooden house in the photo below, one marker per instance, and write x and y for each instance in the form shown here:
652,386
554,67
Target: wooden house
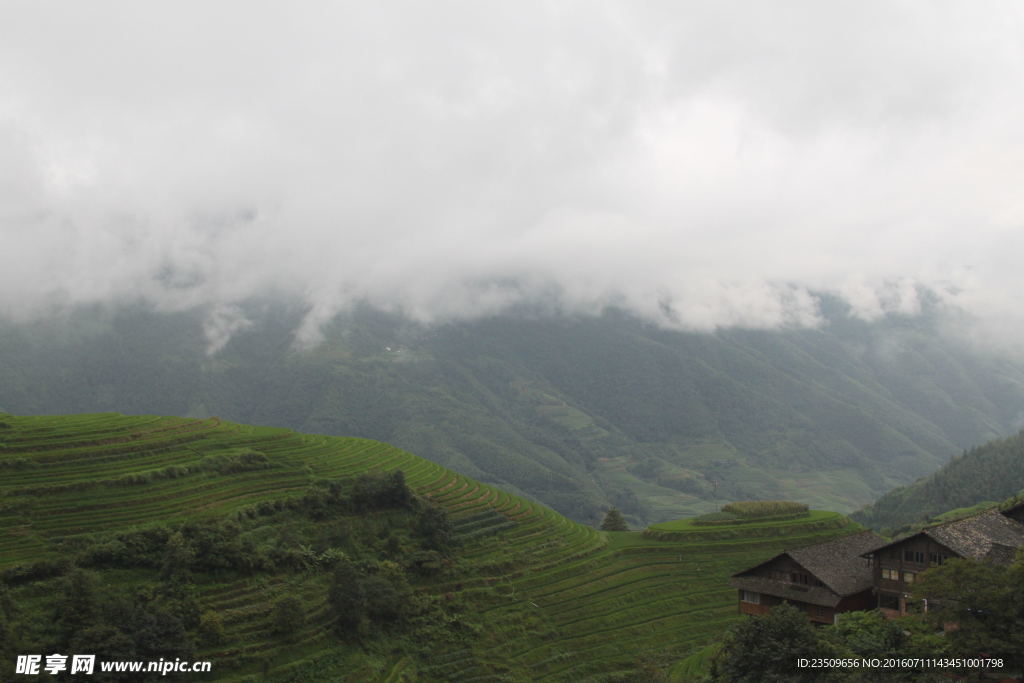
988,536
823,580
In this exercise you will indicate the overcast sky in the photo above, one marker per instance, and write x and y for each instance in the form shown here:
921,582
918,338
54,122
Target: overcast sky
706,164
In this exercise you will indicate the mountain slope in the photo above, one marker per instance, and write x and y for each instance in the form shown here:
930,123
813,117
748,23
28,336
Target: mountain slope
578,412
524,593
991,472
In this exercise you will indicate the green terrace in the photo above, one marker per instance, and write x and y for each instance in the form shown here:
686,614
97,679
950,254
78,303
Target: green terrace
536,596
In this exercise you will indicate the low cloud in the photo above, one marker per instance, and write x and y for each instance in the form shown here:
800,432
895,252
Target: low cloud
705,165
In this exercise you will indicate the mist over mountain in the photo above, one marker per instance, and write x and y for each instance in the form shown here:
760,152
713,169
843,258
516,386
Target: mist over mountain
577,411
704,167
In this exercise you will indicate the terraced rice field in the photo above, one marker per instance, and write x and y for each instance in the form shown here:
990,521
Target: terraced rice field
552,599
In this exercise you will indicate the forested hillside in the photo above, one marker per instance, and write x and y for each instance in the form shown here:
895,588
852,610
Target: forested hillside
991,472
578,412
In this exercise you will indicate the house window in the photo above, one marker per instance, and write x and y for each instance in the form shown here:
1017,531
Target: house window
937,558
819,611
908,577
751,597
913,556
890,574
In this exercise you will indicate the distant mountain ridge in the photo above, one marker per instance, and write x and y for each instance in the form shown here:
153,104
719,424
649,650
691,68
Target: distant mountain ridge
578,412
991,472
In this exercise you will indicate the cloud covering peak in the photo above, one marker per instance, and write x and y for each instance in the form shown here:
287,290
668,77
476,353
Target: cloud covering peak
703,164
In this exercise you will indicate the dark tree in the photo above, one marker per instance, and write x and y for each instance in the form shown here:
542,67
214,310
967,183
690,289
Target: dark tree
346,598
766,648
79,608
288,616
177,560
869,635
211,629
985,600
380,490
8,644
389,597
435,527
613,521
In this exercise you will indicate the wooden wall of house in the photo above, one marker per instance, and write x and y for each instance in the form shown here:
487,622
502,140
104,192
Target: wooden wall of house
816,613
785,569
926,553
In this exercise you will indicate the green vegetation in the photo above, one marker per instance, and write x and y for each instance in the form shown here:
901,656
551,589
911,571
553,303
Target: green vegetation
613,521
714,526
338,559
985,600
578,413
767,648
755,509
992,471
748,512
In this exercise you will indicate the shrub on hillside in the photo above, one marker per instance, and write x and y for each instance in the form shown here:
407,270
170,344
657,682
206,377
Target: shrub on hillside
232,463
383,490
211,629
43,569
345,596
288,616
435,527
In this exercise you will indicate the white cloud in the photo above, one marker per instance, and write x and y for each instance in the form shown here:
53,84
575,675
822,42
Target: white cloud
704,164
221,324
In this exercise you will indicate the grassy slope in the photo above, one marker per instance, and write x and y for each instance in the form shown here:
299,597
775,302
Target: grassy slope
547,597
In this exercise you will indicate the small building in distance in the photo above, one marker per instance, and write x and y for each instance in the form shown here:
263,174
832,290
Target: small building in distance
823,580
990,536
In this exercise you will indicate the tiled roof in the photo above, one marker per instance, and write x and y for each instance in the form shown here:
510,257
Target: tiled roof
1001,554
836,563
976,537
